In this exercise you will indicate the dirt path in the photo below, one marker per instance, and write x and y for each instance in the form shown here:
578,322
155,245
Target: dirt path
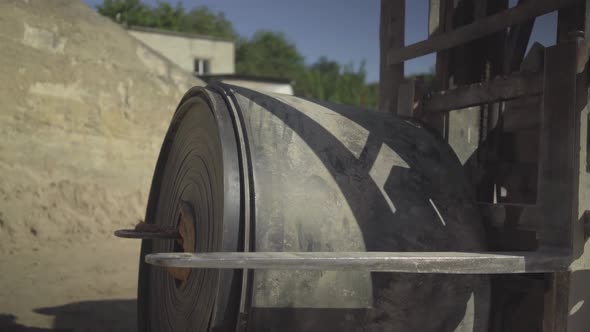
77,287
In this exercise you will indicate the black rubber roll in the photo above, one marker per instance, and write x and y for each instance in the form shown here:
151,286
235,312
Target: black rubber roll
280,173
191,169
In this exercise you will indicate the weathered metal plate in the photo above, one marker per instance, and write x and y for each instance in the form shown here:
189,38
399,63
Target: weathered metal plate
406,262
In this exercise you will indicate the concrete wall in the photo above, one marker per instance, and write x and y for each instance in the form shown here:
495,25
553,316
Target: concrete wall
83,112
183,49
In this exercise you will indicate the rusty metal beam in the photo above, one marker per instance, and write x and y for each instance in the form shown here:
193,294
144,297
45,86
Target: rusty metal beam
512,87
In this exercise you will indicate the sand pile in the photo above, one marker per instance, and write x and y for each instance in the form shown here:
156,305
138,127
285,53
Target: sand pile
83,111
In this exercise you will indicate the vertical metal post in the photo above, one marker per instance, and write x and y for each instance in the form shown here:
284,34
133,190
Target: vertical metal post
559,165
437,18
558,162
391,36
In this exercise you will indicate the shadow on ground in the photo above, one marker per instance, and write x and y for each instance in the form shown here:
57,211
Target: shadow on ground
87,316
8,323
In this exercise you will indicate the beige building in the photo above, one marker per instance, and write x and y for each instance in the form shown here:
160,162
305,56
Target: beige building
202,55
209,58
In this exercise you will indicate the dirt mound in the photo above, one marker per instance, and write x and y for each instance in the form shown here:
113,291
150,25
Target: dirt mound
83,111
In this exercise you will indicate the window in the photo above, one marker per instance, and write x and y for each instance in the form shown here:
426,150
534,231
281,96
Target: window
202,66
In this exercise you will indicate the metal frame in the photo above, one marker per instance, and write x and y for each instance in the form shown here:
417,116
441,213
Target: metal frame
479,29
562,86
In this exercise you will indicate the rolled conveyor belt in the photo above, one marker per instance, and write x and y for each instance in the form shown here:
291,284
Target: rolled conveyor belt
279,173
190,169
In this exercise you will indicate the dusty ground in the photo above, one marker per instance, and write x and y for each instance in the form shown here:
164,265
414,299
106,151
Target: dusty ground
83,111
87,286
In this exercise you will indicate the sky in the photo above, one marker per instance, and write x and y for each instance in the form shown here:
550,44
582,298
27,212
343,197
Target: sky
343,30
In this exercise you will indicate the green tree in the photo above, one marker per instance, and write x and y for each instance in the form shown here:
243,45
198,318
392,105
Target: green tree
268,53
131,12
169,18
328,80
199,20
203,21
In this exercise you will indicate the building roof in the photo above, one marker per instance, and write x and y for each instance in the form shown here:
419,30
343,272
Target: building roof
176,33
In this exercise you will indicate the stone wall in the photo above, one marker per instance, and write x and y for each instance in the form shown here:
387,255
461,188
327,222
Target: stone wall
83,111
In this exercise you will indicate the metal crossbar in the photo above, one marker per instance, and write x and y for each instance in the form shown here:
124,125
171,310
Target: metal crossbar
478,29
405,262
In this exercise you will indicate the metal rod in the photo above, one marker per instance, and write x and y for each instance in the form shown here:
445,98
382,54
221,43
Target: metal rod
147,231
407,262
133,234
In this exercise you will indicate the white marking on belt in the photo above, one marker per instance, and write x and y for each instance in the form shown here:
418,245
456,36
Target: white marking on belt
437,212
